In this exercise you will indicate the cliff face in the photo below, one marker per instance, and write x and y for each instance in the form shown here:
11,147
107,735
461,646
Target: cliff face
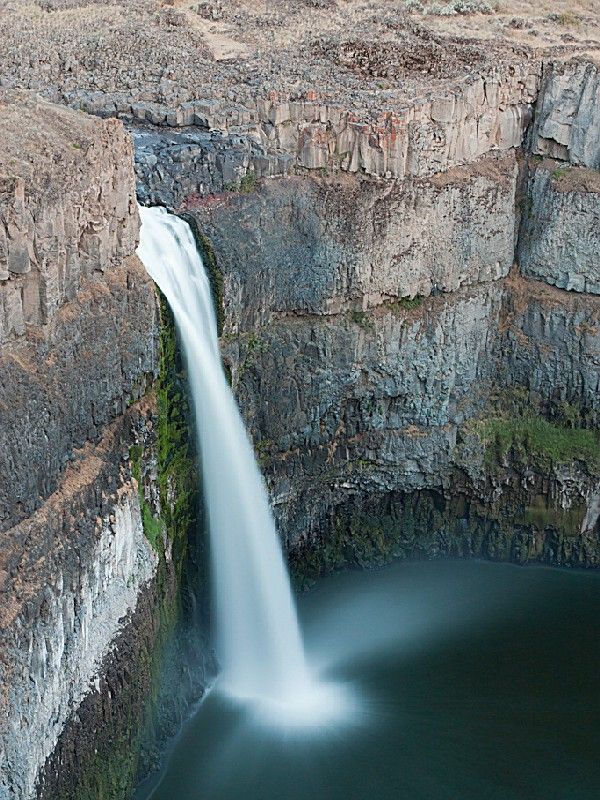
559,239
408,272
366,401
327,238
382,344
79,348
568,113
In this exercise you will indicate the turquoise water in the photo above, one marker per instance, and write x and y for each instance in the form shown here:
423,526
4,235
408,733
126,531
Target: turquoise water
463,681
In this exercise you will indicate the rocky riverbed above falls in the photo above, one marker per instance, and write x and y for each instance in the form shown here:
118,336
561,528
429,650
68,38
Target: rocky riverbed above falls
400,214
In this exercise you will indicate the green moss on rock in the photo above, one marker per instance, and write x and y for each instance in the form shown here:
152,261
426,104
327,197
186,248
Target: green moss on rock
532,439
153,526
178,479
108,771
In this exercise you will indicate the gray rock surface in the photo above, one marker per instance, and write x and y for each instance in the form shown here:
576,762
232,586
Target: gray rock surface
487,113
560,234
551,347
174,168
567,117
351,392
70,576
337,403
336,244
71,378
78,347
67,207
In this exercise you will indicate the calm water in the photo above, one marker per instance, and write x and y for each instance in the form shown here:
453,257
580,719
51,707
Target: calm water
468,681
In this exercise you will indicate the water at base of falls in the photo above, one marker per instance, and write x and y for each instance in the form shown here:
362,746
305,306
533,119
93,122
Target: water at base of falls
476,681
259,644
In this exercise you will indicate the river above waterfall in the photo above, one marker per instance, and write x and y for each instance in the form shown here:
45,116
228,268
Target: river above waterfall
471,681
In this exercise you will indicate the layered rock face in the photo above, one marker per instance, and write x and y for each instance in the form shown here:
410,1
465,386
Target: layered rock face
78,349
551,347
362,395
410,390
68,209
352,245
429,135
75,570
367,402
567,117
561,223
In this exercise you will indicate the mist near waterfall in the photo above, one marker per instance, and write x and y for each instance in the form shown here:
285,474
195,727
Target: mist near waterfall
259,644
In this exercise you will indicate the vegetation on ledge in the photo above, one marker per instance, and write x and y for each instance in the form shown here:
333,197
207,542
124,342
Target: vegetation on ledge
177,470
361,319
533,439
406,304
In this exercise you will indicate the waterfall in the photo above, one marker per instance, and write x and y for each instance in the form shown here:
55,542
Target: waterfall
258,640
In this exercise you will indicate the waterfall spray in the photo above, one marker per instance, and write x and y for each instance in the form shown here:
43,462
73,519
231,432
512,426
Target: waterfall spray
259,644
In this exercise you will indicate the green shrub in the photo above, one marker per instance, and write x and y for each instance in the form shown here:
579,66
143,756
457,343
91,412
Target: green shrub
362,320
248,183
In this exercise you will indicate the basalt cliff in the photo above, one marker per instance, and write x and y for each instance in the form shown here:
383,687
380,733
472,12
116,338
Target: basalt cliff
402,228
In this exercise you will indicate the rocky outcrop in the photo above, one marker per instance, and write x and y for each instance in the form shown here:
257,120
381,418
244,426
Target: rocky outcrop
71,574
560,234
79,321
518,516
65,381
67,207
551,348
342,403
78,349
336,244
567,118
350,406
195,164
430,134
277,136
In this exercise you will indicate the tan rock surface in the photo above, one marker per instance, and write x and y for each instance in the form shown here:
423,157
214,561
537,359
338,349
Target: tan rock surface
67,206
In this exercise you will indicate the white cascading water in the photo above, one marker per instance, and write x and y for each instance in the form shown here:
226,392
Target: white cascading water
259,644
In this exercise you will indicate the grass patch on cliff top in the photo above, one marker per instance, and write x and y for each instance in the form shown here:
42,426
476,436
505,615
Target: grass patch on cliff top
533,439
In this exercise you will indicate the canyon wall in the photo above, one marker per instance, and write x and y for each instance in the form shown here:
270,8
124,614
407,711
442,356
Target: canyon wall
411,322
559,239
396,343
79,353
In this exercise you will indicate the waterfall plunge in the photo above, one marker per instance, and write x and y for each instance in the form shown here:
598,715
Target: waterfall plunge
259,644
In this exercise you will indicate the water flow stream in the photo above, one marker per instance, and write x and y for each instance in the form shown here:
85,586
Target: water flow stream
475,680
259,644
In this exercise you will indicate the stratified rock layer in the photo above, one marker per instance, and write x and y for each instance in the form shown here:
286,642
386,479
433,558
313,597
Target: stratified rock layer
344,403
560,236
351,245
72,573
567,123
67,207
78,328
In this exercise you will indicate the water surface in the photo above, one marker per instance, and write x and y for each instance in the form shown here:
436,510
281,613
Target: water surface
469,681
